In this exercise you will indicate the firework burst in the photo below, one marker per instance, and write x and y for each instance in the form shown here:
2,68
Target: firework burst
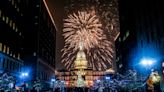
86,27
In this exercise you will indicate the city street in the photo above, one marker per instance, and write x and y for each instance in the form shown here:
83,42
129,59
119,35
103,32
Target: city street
81,46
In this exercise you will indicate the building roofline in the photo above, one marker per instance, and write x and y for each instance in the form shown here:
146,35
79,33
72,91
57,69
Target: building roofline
48,10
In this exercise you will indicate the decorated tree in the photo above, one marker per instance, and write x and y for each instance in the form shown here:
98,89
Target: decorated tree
80,80
7,82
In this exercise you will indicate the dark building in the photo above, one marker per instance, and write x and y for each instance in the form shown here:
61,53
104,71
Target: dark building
126,40
27,39
141,33
11,36
39,43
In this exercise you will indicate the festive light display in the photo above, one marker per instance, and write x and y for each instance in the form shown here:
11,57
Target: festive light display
86,27
96,25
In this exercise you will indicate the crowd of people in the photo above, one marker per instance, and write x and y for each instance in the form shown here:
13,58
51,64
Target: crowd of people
153,82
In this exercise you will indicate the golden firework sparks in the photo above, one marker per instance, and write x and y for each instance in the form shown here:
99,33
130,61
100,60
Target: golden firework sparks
86,28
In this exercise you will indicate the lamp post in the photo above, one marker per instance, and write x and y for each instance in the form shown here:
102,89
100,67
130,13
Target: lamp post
148,63
23,76
153,80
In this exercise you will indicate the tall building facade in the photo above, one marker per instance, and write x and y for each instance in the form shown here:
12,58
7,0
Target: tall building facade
27,39
141,33
11,36
39,41
126,40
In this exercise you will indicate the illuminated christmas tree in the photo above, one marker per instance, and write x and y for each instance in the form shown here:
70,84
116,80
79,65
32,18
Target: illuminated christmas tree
80,80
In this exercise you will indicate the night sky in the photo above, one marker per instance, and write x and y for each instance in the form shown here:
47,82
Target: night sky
57,10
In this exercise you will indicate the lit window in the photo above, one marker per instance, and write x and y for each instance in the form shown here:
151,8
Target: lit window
10,23
11,53
127,33
12,2
4,49
7,20
18,9
15,6
8,49
36,17
36,23
124,38
163,64
119,39
18,55
3,18
34,54
0,46
16,30
37,5
14,55
13,26
21,14
20,33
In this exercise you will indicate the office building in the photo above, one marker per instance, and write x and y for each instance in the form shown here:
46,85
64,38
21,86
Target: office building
141,33
11,36
39,43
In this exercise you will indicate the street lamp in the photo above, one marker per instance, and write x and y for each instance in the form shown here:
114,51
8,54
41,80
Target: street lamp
147,62
24,74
